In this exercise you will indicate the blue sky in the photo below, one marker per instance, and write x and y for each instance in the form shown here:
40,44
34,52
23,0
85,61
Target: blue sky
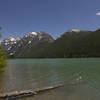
18,17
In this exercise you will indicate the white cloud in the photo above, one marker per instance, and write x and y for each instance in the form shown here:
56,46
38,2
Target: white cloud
98,13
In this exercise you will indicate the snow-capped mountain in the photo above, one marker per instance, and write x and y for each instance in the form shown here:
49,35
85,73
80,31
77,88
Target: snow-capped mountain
30,42
9,43
73,43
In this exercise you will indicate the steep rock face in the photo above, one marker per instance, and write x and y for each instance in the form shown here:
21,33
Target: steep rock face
30,43
9,43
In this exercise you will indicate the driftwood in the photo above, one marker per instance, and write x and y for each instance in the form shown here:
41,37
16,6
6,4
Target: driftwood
25,93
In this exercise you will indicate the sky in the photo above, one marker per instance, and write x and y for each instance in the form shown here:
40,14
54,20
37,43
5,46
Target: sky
17,17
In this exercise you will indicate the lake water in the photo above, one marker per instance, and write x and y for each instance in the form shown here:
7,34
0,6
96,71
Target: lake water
22,74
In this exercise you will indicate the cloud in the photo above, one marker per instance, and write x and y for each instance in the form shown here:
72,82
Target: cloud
98,13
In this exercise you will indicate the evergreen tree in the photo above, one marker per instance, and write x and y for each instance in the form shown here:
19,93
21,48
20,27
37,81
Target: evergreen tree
2,57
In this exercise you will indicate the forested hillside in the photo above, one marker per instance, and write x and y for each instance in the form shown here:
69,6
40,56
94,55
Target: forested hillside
73,44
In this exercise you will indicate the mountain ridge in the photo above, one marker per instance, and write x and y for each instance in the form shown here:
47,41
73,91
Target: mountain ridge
74,43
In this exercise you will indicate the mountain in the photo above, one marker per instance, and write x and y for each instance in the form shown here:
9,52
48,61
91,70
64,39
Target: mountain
29,44
8,44
71,44
75,44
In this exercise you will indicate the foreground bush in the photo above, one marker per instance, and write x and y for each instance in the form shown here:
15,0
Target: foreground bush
2,60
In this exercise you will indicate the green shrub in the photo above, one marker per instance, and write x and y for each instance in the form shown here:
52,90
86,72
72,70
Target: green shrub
2,60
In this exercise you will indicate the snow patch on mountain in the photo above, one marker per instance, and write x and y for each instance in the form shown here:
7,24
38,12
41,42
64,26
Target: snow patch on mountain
34,33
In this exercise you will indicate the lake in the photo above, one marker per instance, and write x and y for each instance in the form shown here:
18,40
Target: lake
22,74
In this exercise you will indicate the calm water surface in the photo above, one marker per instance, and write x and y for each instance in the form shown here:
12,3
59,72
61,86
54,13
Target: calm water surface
24,74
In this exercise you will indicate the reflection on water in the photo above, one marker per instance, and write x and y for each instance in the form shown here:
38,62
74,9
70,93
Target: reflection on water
36,73
1,81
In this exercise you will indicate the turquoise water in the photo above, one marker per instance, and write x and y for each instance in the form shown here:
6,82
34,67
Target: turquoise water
22,74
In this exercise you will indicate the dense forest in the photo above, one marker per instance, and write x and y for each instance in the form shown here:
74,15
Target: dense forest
2,58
